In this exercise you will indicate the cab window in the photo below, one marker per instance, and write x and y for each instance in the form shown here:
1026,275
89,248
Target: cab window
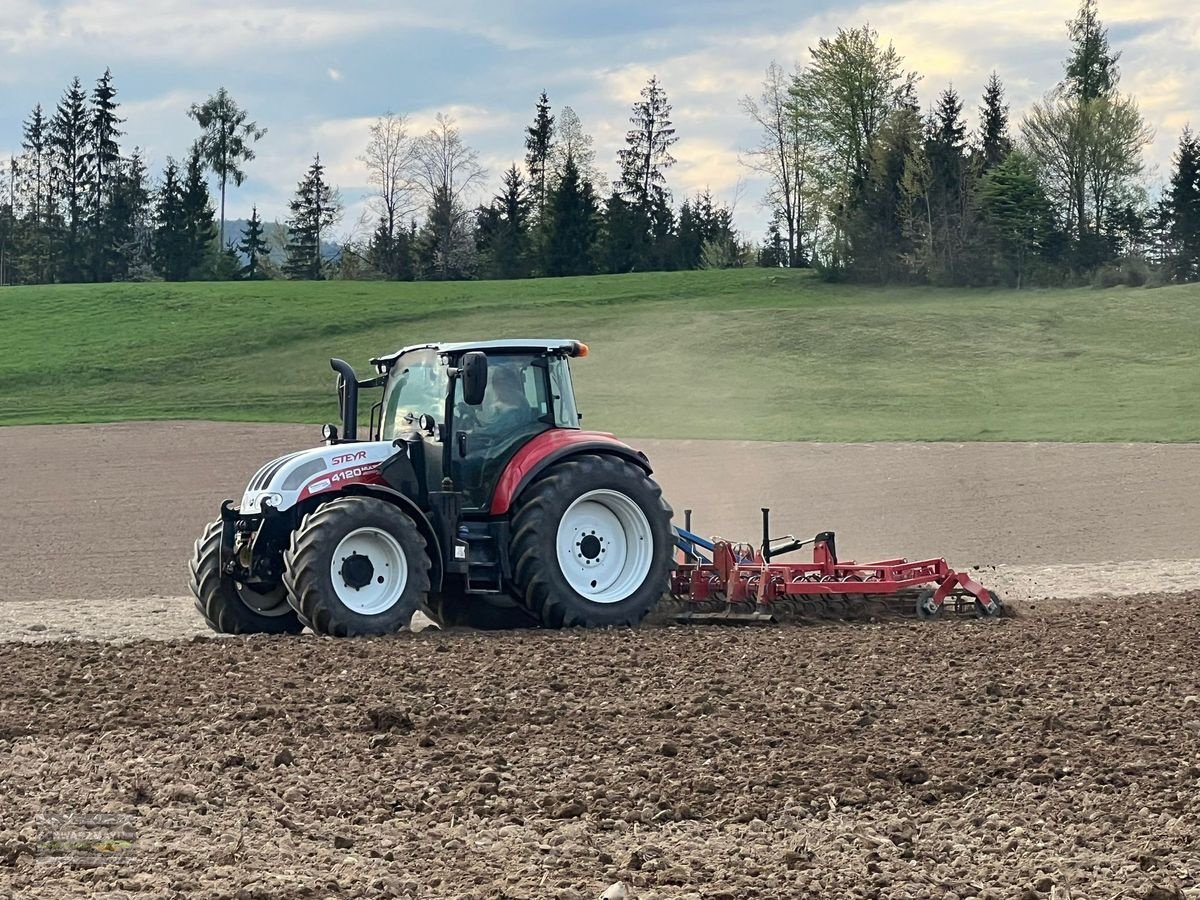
416,387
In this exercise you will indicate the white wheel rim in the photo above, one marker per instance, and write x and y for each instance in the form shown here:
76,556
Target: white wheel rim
605,546
388,571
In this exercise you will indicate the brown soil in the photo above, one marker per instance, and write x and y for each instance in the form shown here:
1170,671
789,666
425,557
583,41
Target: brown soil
1046,756
1052,755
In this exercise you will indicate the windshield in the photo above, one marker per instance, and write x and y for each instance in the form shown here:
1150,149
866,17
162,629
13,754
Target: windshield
416,387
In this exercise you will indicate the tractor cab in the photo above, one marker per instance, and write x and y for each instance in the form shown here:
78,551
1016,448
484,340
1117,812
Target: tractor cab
473,405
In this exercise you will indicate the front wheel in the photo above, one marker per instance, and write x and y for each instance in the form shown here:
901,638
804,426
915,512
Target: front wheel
357,566
232,608
592,543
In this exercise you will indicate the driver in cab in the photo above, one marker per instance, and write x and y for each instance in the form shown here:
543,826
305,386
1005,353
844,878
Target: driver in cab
506,408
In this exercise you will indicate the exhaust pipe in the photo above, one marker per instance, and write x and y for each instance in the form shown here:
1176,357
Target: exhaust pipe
347,388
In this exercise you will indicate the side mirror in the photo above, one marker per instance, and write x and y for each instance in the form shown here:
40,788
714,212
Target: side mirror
473,370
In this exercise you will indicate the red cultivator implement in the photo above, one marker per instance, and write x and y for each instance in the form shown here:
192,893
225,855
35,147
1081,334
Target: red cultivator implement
737,581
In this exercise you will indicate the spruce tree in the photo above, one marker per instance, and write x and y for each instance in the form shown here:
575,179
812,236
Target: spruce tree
1183,205
504,228
200,219
1092,67
445,248
103,157
945,194
539,139
390,251
642,186
704,223
226,142
69,138
625,243
689,237
881,233
571,228
994,141
773,254
254,248
129,229
1017,213
315,208
38,196
170,242
647,150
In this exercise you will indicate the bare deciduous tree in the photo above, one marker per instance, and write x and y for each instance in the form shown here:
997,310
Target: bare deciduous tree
390,157
445,169
443,163
571,141
783,154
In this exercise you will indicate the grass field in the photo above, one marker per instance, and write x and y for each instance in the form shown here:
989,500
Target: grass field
759,354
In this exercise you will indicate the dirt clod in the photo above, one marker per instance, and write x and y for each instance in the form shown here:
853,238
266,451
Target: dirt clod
388,718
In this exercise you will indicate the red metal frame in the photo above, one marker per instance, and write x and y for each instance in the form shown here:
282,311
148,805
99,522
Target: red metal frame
742,579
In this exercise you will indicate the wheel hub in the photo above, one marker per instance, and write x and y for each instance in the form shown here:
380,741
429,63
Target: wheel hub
357,571
590,547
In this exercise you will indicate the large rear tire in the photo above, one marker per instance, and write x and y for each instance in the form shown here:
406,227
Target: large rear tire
591,544
357,566
230,608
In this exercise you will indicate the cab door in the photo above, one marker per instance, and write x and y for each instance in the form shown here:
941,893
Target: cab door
515,408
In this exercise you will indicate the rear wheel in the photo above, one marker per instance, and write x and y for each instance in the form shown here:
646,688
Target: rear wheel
357,565
591,543
232,608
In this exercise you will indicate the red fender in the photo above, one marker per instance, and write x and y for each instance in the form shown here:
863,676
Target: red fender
551,446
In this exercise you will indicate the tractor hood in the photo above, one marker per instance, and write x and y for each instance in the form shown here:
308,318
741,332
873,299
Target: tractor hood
294,477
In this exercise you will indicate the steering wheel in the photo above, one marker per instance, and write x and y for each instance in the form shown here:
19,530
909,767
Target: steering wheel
466,416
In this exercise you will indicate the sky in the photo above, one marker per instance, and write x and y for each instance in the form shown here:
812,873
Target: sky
317,74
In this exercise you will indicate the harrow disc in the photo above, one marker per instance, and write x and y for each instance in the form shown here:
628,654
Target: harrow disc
997,610
923,611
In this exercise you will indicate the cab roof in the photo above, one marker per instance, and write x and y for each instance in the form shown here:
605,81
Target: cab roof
504,345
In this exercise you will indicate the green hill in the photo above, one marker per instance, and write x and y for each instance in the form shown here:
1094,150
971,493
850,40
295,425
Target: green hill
761,354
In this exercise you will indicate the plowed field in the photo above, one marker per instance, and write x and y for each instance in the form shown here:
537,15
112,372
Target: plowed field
1051,755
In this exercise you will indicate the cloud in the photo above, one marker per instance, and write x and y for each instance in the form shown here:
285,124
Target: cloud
485,61
178,29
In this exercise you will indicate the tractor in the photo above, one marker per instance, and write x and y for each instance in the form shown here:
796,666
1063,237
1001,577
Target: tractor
474,497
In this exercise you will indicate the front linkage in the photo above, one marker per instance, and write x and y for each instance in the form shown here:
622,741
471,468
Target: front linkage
252,545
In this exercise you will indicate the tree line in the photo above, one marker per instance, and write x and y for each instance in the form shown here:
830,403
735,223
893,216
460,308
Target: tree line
862,185
554,215
865,186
